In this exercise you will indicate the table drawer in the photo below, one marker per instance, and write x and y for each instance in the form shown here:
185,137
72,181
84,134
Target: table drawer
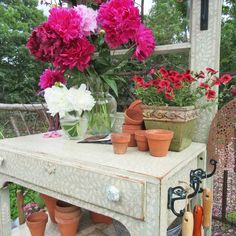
118,194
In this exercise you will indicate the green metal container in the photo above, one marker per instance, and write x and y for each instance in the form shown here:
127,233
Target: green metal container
181,120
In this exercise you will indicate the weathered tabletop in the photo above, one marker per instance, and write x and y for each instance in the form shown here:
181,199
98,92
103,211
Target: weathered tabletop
85,174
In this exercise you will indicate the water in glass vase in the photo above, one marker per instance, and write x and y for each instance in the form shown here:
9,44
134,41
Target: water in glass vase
74,126
102,116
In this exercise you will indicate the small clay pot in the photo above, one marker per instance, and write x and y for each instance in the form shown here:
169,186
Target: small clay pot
133,117
36,223
68,227
130,129
159,141
141,140
100,219
136,105
65,207
50,203
120,142
67,215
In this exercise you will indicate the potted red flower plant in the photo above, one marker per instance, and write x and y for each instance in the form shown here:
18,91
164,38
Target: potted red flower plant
172,100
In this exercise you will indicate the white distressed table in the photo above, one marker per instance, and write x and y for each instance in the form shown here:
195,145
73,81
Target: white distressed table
83,174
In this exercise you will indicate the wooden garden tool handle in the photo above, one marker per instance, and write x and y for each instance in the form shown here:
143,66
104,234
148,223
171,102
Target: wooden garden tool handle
187,224
197,215
207,205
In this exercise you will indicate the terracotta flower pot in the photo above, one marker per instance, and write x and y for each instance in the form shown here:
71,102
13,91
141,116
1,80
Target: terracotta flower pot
141,140
65,207
136,105
50,203
130,129
159,141
36,223
133,117
99,218
120,142
67,217
68,227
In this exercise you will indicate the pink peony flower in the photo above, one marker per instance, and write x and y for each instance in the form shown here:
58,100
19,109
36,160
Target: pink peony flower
66,22
145,43
50,77
120,20
88,19
77,54
44,43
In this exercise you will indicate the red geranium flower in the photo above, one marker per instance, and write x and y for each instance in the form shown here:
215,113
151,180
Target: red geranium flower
210,70
216,80
178,85
200,75
204,85
188,78
164,72
178,78
138,79
171,78
225,78
173,72
210,94
164,84
169,94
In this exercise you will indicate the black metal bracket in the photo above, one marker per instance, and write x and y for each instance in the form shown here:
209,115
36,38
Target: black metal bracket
179,193
204,15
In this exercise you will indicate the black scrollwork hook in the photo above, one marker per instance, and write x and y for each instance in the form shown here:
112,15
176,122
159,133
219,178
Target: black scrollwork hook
179,193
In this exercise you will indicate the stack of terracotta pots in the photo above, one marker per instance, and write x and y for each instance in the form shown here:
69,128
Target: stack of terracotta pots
67,217
156,140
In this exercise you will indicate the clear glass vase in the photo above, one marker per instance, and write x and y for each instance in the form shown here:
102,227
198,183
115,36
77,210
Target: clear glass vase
102,116
74,125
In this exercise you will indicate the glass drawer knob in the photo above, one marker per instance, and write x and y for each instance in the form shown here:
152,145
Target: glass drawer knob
113,194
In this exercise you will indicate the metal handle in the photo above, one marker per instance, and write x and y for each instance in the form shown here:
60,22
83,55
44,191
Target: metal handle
50,168
113,194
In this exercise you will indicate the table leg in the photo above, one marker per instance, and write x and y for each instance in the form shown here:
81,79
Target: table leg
5,219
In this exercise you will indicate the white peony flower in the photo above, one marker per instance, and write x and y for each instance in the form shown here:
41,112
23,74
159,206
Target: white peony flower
81,99
56,98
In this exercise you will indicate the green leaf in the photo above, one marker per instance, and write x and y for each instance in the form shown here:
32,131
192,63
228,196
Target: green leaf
111,83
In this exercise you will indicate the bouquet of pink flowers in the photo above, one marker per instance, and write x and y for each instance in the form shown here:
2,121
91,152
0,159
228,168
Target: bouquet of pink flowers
78,42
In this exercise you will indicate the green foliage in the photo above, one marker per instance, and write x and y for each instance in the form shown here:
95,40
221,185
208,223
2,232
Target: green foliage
18,71
30,196
169,21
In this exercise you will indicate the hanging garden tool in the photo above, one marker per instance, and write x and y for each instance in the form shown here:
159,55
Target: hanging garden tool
207,206
187,222
197,215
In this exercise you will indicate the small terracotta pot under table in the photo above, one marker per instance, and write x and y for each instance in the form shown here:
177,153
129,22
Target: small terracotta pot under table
36,223
100,219
50,203
159,141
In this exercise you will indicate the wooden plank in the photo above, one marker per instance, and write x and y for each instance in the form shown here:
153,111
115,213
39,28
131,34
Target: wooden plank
164,49
22,107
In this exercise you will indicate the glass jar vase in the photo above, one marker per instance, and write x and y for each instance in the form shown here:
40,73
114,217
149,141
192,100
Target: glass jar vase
102,116
74,125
